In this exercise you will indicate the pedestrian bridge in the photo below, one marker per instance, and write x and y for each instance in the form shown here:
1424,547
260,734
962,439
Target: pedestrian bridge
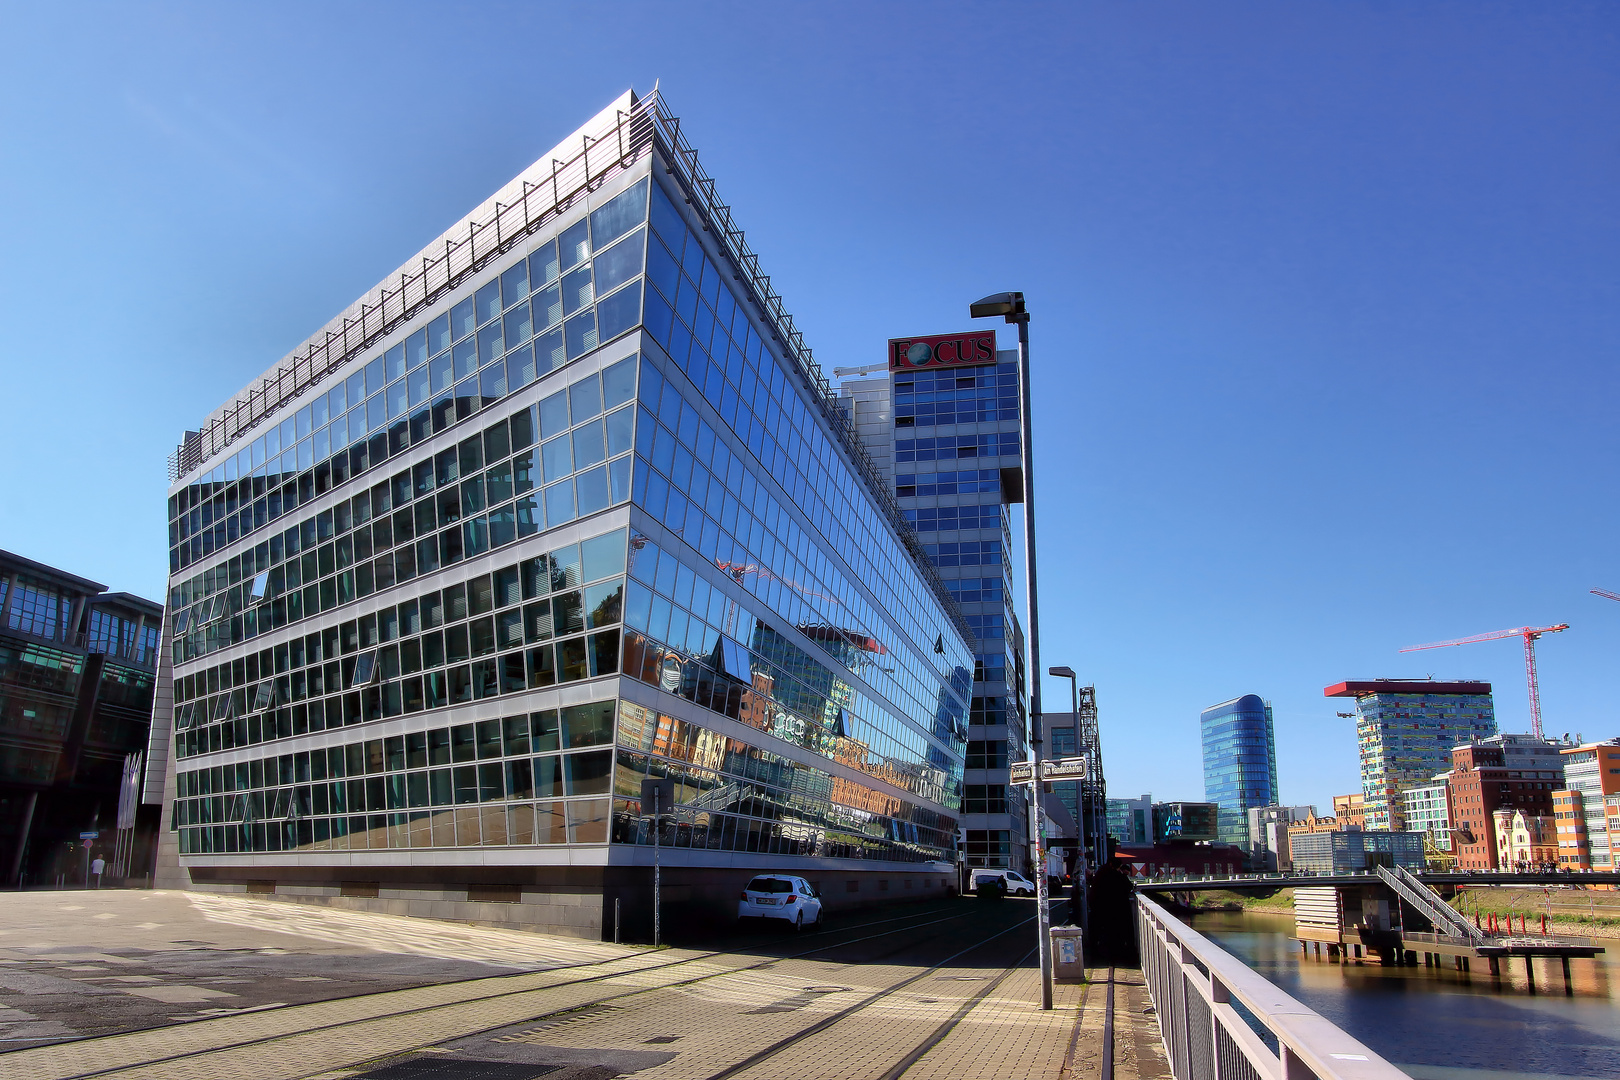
1241,882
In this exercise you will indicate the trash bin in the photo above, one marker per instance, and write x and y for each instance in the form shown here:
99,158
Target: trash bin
1068,954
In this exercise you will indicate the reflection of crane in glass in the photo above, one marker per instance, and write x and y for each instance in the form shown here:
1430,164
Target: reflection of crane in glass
1529,634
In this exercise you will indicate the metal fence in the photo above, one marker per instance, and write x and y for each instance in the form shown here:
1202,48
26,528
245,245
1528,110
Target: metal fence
1222,1021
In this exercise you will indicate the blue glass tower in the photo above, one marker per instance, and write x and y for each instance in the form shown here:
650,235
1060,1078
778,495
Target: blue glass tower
1240,762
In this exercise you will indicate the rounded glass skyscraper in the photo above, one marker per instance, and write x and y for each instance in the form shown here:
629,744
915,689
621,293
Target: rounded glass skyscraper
1240,762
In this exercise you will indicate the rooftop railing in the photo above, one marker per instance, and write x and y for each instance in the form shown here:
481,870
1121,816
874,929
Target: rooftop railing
1222,1021
484,238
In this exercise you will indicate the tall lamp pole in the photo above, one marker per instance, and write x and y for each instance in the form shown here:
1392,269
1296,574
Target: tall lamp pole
1010,306
1080,887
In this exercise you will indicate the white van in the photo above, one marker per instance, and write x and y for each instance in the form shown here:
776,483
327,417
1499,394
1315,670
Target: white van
1017,884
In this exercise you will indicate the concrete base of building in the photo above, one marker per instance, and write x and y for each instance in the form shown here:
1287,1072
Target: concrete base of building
581,901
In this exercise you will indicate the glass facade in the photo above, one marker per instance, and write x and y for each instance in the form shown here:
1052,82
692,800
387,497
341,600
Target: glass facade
580,521
945,436
1240,762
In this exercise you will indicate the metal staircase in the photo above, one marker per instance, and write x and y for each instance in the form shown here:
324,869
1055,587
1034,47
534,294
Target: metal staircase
1445,918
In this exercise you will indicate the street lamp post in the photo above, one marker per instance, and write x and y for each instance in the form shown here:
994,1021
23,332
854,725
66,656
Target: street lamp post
1010,306
1081,890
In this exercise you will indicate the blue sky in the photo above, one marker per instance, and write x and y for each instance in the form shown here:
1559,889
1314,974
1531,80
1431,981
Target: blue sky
1324,295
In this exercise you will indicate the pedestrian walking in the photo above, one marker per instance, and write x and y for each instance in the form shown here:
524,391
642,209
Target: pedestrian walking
97,866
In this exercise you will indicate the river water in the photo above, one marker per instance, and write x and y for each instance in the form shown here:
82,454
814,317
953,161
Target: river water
1442,1024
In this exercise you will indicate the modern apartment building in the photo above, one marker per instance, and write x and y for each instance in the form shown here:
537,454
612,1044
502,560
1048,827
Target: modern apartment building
77,667
1427,809
562,506
942,422
1405,729
1591,774
1130,821
1268,834
1240,762
1504,772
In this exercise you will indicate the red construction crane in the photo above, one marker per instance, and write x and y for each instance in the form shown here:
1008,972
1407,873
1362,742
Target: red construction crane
1529,634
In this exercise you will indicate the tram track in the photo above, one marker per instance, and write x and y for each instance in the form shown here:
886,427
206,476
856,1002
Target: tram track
822,945
919,1049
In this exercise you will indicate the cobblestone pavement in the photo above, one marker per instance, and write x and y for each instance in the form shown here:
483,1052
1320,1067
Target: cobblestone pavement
939,990
89,963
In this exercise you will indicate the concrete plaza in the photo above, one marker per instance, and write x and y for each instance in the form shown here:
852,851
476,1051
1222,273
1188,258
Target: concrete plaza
180,985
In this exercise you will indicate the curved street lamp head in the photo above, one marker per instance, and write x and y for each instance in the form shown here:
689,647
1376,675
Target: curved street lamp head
1065,672
1009,305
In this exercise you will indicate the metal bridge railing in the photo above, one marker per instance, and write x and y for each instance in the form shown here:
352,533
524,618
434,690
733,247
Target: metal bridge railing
1222,1021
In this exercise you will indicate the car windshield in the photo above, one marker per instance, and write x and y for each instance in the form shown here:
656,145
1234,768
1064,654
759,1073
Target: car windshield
769,884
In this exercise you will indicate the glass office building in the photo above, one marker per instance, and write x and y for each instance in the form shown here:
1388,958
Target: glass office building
946,436
1240,762
563,505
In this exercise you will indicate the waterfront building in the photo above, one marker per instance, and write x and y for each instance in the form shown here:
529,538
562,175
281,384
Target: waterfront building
1268,834
563,506
1130,821
1427,810
1313,825
1187,821
77,668
942,422
1511,772
1240,762
1351,851
1591,773
1350,810
1405,729
1525,841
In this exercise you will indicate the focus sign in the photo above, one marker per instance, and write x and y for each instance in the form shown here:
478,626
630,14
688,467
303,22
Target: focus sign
969,349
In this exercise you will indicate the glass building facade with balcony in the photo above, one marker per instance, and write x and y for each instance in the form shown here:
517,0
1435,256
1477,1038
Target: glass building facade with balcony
583,515
1240,762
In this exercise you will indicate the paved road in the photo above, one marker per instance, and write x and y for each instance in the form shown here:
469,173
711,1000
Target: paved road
926,990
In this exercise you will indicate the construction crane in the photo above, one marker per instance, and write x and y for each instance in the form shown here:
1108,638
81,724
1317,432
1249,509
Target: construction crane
1529,634
1606,594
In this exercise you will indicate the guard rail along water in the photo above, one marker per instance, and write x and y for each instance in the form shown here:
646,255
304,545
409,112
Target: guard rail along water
1222,1021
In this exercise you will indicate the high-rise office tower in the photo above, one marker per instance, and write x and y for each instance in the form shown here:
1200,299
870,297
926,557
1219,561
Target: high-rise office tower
1240,762
943,421
563,505
1405,730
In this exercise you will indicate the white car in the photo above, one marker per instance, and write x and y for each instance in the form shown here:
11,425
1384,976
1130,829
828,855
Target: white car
781,896
1017,884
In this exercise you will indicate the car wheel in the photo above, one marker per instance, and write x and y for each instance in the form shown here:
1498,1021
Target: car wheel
821,917
798,923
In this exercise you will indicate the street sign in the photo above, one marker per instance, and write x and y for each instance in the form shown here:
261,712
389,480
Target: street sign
660,791
1069,768
91,835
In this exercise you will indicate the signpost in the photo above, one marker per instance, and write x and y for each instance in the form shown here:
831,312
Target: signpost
661,793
